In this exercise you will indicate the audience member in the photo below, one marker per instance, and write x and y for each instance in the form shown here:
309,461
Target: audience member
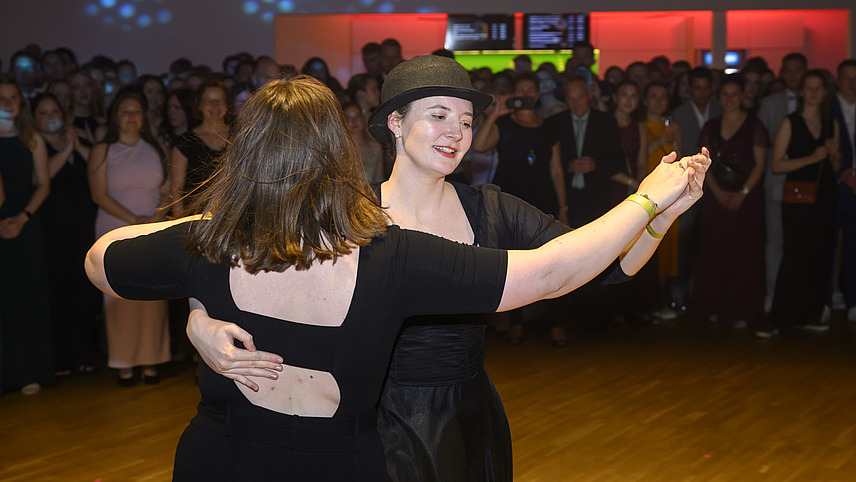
68,215
27,358
806,149
181,113
529,166
371,59
390,55
844,111
370,150
664,136
194,158
154,92
126,171
691,117
729,274
773,109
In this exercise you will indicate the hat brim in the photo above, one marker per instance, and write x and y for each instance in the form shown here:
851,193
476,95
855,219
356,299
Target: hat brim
378,119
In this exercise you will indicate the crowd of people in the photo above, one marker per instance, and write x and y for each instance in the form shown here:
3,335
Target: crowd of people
85,149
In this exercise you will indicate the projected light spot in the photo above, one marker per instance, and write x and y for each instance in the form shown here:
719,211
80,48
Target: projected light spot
127,10
285,6
144,21
267,17
164,16
251,7
91,10
108,3
108,20
385,7
268,1
367,3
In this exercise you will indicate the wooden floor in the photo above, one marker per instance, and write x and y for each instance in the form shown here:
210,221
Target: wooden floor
673,402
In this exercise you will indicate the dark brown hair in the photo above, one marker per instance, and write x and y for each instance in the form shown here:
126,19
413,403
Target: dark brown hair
291,188
112,134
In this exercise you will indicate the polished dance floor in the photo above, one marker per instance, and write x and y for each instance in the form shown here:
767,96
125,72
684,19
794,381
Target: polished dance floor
677,401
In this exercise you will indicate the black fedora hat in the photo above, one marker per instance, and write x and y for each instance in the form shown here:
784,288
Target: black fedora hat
420,77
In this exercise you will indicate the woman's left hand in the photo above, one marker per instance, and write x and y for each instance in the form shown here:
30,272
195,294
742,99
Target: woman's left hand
698,163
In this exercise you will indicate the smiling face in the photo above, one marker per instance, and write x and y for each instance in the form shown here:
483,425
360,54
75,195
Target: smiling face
627,98
657,100
129,116
212,104
731,97
10,101
435,133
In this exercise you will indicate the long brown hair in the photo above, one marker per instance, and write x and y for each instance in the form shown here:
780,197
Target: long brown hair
24,122
291,188
112,135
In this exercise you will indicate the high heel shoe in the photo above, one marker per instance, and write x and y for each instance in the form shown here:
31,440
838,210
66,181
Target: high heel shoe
126,381
150,378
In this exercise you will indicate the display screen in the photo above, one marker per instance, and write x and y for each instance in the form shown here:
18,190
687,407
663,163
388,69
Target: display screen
554,31
480,32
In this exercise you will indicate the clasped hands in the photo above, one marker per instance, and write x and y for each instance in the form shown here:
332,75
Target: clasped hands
677,185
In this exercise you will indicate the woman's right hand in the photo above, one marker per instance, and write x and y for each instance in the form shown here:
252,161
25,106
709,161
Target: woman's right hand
666,182
214,339
820,153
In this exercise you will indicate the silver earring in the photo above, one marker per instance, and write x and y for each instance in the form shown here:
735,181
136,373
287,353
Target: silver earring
398,135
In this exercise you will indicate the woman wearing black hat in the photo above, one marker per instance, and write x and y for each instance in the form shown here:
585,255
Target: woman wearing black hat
439,416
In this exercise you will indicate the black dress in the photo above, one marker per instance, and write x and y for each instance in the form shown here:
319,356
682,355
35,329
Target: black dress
25,335
805,274
201,162
401,274
68,215
524,163
440,417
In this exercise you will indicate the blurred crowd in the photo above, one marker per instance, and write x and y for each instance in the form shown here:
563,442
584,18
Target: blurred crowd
86,148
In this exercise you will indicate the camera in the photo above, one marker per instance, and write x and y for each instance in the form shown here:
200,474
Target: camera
517,103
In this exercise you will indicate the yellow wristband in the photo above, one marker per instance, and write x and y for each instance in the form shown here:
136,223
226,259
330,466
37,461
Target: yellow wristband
654,234
647,204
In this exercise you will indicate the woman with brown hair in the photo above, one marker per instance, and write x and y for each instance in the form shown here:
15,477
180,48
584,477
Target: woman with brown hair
25,341
291,191
126,177
807,148
194,157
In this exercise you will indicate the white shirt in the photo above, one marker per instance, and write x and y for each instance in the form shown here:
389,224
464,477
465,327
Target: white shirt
702,117
849,111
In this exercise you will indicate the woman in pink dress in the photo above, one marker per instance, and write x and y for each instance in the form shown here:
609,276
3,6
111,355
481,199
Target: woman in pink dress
126,174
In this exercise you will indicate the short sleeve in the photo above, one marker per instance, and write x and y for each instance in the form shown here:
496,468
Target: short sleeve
150,267
439,276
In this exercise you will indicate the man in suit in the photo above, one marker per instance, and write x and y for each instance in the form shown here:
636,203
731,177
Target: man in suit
691,116
844,111
591,153
773,109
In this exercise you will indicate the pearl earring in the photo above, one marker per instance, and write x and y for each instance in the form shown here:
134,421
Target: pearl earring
398,135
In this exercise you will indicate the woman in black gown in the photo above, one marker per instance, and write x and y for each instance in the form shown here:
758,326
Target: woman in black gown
316,420
68,215
807,149
440,417
26,357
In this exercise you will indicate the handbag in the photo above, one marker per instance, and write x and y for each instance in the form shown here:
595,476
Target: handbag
727,176
802,192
